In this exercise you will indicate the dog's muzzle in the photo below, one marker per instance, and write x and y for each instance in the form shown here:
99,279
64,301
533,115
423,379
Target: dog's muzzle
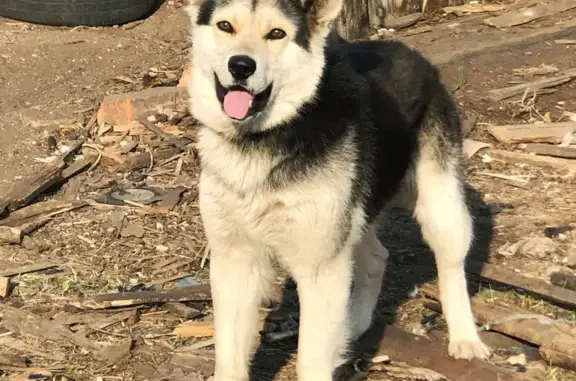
238,102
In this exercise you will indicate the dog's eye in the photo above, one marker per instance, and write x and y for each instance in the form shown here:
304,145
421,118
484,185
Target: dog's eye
225,26
276,34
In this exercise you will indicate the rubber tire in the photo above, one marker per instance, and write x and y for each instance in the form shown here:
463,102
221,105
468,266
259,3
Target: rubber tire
78,12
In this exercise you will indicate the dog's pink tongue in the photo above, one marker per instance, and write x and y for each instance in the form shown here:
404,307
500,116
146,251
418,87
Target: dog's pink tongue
237,104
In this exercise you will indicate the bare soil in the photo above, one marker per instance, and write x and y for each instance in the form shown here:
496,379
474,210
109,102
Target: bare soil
51,78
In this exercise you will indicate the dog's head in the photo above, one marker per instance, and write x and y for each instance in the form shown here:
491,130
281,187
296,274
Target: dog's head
255,62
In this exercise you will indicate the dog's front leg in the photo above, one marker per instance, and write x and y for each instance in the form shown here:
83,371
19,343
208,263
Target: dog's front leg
239,278
324,290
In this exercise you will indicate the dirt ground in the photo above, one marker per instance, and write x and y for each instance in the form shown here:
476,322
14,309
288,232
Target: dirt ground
53,80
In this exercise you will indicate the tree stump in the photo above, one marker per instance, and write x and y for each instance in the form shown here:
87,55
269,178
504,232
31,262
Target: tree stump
361,18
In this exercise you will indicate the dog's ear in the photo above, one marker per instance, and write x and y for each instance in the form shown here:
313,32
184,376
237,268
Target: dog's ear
323,12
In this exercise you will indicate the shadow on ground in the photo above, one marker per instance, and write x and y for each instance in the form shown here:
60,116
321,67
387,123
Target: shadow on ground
411,263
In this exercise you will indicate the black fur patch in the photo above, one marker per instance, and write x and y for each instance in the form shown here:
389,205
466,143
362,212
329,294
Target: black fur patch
205,13
380,95
294,11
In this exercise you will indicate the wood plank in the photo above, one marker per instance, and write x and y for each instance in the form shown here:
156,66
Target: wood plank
552,150
28,268
417,351
532,133
543,83
501,42
538,287
525,15
123,299
525,158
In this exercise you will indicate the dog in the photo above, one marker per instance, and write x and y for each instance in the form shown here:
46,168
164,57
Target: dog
305,139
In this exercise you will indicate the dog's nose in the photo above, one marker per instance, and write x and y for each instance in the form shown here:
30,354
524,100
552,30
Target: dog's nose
241,67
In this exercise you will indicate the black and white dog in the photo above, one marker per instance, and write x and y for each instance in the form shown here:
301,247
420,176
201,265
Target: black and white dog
303,144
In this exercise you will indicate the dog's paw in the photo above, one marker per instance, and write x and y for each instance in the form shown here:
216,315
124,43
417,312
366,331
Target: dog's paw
469,349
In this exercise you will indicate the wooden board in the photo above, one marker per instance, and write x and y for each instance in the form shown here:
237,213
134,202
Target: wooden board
532,133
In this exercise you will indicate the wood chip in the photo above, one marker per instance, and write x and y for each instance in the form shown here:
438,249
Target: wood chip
195,329
543,83
122,299
181,310
550,150
525,15
475,8
115,353
4,287
10,236
472,146
565,42
532,133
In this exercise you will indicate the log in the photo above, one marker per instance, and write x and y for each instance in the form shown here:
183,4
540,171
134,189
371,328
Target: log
557,340
532,133
538,287
525,158
123,299
550,150
544,83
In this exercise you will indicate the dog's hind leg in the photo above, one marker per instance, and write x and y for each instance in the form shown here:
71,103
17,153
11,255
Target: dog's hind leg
446,224
370,258
240,280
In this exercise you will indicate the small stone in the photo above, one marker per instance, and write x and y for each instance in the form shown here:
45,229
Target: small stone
537,247
132,230
564,278
162,248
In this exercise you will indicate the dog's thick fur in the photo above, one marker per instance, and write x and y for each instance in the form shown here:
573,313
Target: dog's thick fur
348,129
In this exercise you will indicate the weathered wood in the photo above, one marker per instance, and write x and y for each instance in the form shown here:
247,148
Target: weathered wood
27,323
27,190
402,22
417,351
4,287
565,42
10,236
505,42
535,286
532,133
525,15
28,269
354,20
525,158
122,299
39,209
543,83
551,150
557,340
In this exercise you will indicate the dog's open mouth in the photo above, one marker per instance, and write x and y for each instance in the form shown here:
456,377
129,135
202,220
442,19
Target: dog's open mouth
238,102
